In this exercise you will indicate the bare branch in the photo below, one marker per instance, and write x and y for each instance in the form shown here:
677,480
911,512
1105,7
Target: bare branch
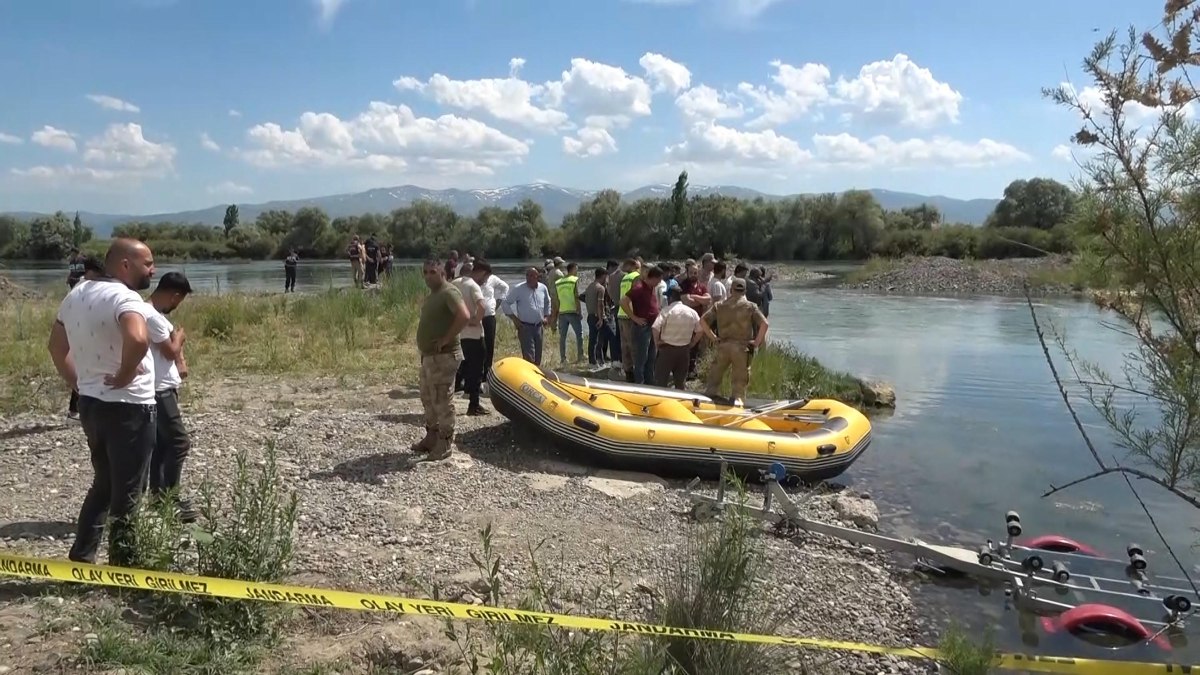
1125,470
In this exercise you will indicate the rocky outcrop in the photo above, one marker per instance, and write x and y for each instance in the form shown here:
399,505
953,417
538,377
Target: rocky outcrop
877,394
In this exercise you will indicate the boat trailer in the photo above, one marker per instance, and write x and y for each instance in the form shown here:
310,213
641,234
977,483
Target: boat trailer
1029,576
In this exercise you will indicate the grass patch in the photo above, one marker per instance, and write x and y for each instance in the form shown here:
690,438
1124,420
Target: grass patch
344,332
963,655
780,371
247,537
872,268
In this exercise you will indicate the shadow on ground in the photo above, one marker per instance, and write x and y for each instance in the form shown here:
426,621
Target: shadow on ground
37,529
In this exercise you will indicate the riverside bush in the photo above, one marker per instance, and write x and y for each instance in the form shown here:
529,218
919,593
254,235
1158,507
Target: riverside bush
965,241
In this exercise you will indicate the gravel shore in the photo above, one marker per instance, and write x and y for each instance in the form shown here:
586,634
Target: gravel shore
372,518
948,276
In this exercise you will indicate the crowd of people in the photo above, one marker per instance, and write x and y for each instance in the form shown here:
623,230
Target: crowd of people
656,321
124,359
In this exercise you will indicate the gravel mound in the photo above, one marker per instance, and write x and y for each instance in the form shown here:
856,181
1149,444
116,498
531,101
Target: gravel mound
948,276
373,518
11,290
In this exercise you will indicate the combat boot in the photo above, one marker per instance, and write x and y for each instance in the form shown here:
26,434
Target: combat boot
426,444
442,448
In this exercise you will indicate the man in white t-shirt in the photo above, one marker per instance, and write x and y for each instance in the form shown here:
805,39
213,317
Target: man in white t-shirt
99,343
172,443
470,371
494,290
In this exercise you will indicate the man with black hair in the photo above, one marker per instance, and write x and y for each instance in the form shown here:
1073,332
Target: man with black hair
172,442
99,344
74,268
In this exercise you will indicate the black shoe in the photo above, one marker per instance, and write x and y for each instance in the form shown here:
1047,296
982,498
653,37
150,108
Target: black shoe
477,410
187,513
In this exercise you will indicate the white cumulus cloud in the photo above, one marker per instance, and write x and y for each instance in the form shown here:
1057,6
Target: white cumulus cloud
712,142
667,75
800,89
385,137
53,137
10,139
234,112
590,141
507,99
120,157
113,103
208,143
1062,152
882,151
899,91
596,89
702,102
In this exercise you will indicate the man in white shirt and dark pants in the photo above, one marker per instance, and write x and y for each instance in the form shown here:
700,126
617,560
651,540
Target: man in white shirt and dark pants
172,443
494,290
676,330
470,370
99,344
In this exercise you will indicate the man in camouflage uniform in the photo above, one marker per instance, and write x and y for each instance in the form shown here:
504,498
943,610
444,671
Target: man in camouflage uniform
740,328
443,316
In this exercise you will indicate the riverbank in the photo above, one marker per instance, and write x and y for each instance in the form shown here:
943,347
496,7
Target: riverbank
1049,275
344,449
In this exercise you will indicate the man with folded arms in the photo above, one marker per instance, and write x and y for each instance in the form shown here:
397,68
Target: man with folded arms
100,343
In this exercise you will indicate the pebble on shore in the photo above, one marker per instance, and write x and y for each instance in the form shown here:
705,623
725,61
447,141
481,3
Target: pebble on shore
370,519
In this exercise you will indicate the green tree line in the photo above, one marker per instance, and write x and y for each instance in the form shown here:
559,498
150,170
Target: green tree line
849,226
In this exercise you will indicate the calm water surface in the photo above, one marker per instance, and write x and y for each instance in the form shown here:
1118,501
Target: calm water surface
980,428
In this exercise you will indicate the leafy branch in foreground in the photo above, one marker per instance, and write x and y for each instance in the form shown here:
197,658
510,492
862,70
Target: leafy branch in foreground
1140,204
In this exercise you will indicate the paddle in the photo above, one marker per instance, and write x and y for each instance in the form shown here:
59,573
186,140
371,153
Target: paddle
782,405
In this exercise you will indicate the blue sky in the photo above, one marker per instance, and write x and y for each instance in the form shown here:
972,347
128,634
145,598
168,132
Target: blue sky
144,106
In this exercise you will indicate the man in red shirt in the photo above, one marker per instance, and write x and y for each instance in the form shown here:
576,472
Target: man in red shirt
641,304
695,295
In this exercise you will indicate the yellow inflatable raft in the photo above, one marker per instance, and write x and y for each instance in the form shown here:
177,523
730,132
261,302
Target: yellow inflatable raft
669,431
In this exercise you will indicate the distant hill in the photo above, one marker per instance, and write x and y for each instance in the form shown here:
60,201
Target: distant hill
556,202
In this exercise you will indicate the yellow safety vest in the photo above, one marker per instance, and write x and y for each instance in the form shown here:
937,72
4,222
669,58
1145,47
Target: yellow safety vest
626,284
567,302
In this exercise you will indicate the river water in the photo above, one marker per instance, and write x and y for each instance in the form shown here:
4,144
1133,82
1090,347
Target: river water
979,429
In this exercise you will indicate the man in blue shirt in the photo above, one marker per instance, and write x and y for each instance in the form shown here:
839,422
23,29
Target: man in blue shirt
529,306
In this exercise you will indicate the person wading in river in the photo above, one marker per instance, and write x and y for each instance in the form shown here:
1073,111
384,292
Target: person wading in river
743,328
290,263
99,343
443,316
172,442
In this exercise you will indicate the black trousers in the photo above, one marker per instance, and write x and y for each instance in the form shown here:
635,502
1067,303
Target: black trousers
595,341
289,278
371,268
73,404
474,354
489,342
171,445
121,439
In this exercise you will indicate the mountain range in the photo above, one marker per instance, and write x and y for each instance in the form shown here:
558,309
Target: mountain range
556,202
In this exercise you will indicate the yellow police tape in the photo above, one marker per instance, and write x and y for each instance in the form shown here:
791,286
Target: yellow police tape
102,575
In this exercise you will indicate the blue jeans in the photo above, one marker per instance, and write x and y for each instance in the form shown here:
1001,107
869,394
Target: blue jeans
530,337
569,320
644,353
